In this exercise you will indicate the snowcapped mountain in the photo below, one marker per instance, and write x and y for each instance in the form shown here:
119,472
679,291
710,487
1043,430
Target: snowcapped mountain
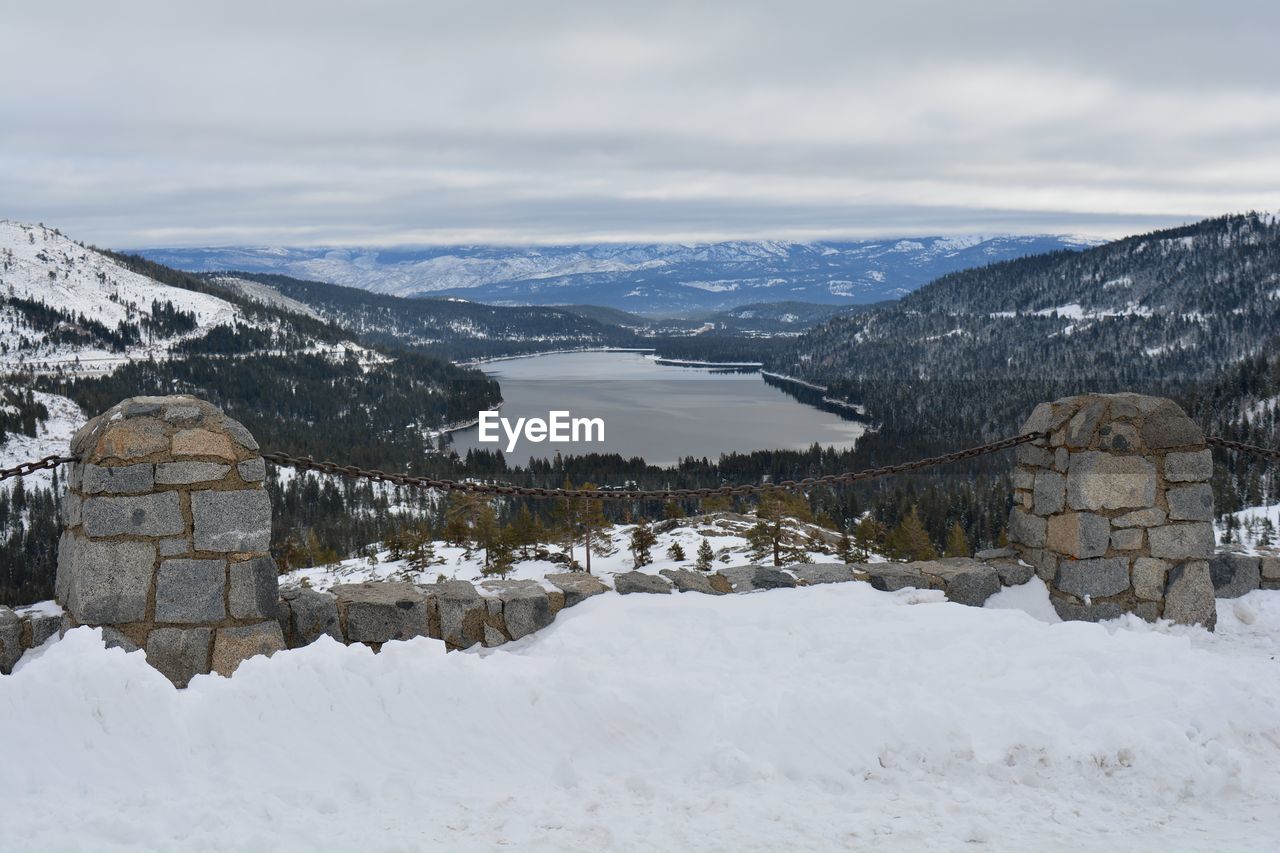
642,278
65,306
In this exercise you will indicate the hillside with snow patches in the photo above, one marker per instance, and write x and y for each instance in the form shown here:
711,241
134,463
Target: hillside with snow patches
643,278
42,266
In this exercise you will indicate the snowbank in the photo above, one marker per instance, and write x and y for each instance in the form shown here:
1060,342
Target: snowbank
830,717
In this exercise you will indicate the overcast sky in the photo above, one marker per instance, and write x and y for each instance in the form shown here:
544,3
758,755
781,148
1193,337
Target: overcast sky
133,124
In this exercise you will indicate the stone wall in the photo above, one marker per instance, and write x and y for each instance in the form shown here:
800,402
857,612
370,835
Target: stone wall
1114,508
167,529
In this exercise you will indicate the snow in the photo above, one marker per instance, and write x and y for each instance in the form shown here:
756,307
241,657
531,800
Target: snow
40,264
831,717
1250,528
52,438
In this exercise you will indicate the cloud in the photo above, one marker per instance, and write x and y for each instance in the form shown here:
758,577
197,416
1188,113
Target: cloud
422,122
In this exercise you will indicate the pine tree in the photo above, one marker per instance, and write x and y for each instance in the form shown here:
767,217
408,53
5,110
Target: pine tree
671,509
770,534
675,552
957,542
595,528
642,539
909,540
845,549
525,531
719,503
867,534
705,555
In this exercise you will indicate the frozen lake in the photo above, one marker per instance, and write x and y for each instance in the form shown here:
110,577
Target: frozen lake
659,412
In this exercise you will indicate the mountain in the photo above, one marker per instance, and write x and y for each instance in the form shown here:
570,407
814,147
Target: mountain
641,278
451,326
1178,304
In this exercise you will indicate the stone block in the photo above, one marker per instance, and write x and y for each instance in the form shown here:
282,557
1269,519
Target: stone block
191,592
1149,575
236,430
254,590
1100,481
1083,426
107,583
1027,529
1150,517
1033,456
1191,503
1188,595
525,605
1079,534
253,470
72,505
156,514
202,442
1168,426
10,640
184,473
174,546
1061,459
1041,417
685,580
1191,467
40,627
629,582
996,554
966,581
311,615
810,574
237,520
1050,493
1099,611
752,577
1012,571
462,614
1118,438
1024,478
233,646
129,439
1190,541
180,653
890,577
114,638
1127,539
126,479
379,612
576,586
1234,575
1270,568
1095,578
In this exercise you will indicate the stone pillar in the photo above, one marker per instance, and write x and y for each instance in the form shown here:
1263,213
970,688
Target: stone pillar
167,528
1114,508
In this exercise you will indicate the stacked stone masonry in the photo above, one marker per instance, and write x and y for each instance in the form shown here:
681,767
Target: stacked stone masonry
1114,510
167,525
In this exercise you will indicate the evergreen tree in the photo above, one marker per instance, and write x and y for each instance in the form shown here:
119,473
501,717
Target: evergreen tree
705,556
675,552
845,550
642,539
957,542
909,540
770,534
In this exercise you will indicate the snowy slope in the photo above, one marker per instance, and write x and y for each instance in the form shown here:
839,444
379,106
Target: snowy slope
825,718
42,265
52,438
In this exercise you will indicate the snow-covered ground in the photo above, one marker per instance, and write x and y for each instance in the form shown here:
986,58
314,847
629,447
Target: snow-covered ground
1252,530
725,532
53,437
823,718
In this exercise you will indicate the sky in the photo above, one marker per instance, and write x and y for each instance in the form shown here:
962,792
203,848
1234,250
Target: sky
146,124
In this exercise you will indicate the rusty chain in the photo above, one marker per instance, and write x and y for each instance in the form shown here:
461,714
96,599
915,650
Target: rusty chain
1228,444
25,468
307,463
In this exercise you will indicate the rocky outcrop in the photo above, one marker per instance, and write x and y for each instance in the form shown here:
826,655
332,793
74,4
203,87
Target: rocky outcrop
752,577
576,586
630,582
686,580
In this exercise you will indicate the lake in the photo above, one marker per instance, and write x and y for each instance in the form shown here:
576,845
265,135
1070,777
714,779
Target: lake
659,412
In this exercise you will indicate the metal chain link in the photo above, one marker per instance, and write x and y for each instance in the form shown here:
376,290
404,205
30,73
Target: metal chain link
1228,444
307,463
26,468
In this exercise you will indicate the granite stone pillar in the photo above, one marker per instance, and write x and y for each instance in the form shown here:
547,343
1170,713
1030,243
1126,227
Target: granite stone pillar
1114,508
167,529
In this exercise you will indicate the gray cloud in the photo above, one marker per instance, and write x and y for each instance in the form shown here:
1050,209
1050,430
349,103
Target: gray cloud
160,123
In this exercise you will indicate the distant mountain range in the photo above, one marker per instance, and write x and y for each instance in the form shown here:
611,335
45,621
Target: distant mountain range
649,279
